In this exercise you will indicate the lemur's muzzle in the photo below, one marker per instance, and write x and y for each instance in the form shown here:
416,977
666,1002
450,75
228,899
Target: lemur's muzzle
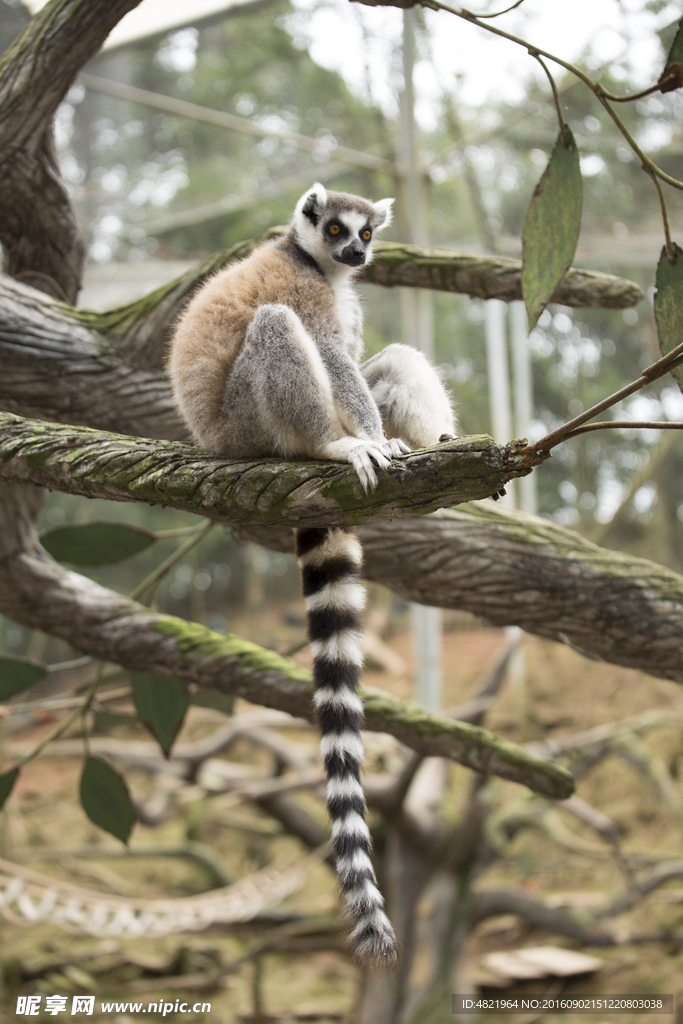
353,254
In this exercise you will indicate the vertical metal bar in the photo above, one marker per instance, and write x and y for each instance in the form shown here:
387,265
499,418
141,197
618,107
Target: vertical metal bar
522,384
499,380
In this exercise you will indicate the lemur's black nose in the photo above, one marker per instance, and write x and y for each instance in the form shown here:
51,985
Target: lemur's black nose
353,254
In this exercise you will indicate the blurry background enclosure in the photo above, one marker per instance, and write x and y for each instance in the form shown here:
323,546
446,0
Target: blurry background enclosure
158,187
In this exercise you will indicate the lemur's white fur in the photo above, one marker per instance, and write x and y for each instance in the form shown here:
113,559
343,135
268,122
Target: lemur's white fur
264,362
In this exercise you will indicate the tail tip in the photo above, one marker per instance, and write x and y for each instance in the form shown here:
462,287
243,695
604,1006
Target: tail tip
374,946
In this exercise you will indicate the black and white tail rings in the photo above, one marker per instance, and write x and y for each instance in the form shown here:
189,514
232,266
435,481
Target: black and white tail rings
331,561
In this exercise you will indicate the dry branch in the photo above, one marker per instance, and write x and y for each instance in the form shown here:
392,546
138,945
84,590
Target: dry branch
492,902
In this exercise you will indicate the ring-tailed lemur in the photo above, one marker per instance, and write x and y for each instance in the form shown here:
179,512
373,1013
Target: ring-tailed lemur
264,361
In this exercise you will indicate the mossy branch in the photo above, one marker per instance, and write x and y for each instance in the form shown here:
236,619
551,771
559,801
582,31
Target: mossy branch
96,464
490,277
97,621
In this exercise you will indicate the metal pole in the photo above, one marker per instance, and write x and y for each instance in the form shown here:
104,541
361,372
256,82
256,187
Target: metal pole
418,330
522,384
499,380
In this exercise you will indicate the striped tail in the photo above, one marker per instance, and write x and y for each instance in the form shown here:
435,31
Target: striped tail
330,562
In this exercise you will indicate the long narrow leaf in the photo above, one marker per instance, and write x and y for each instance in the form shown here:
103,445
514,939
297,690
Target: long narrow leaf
7,784
552,225
669,304
672,76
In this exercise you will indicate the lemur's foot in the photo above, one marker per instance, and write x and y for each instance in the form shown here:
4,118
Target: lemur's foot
446,437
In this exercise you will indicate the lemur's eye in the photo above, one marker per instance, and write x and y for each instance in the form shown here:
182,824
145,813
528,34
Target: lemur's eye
334,229
366,235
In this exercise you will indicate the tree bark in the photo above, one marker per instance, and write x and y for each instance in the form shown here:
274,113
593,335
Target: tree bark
512,568
55,367
507,567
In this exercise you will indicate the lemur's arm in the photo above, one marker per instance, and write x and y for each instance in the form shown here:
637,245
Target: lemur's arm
351,394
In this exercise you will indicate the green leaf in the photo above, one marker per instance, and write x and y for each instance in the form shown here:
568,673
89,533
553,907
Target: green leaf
17,674
97,543
669,305
552,225
672,76
7,784
105,799
207,697
161,703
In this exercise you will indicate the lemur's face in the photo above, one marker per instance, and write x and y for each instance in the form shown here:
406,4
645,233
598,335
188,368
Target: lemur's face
347,236
337,228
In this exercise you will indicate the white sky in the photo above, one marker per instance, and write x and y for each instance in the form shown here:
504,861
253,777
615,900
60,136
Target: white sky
489,67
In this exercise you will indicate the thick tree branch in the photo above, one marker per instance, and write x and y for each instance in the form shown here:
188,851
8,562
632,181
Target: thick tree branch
490,277
515,569
82,461
39,593
38,231
37,70
54,367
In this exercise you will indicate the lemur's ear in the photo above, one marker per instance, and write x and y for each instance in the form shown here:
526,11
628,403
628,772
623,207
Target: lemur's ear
313,202
383,213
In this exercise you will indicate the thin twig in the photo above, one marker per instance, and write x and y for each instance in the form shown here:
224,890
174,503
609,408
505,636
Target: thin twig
556,97
613,98
61,727
63,666
541,449
665,216
625,425
498,13
162,569
62,703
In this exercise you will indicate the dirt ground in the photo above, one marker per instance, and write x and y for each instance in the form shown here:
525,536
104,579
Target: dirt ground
551,692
